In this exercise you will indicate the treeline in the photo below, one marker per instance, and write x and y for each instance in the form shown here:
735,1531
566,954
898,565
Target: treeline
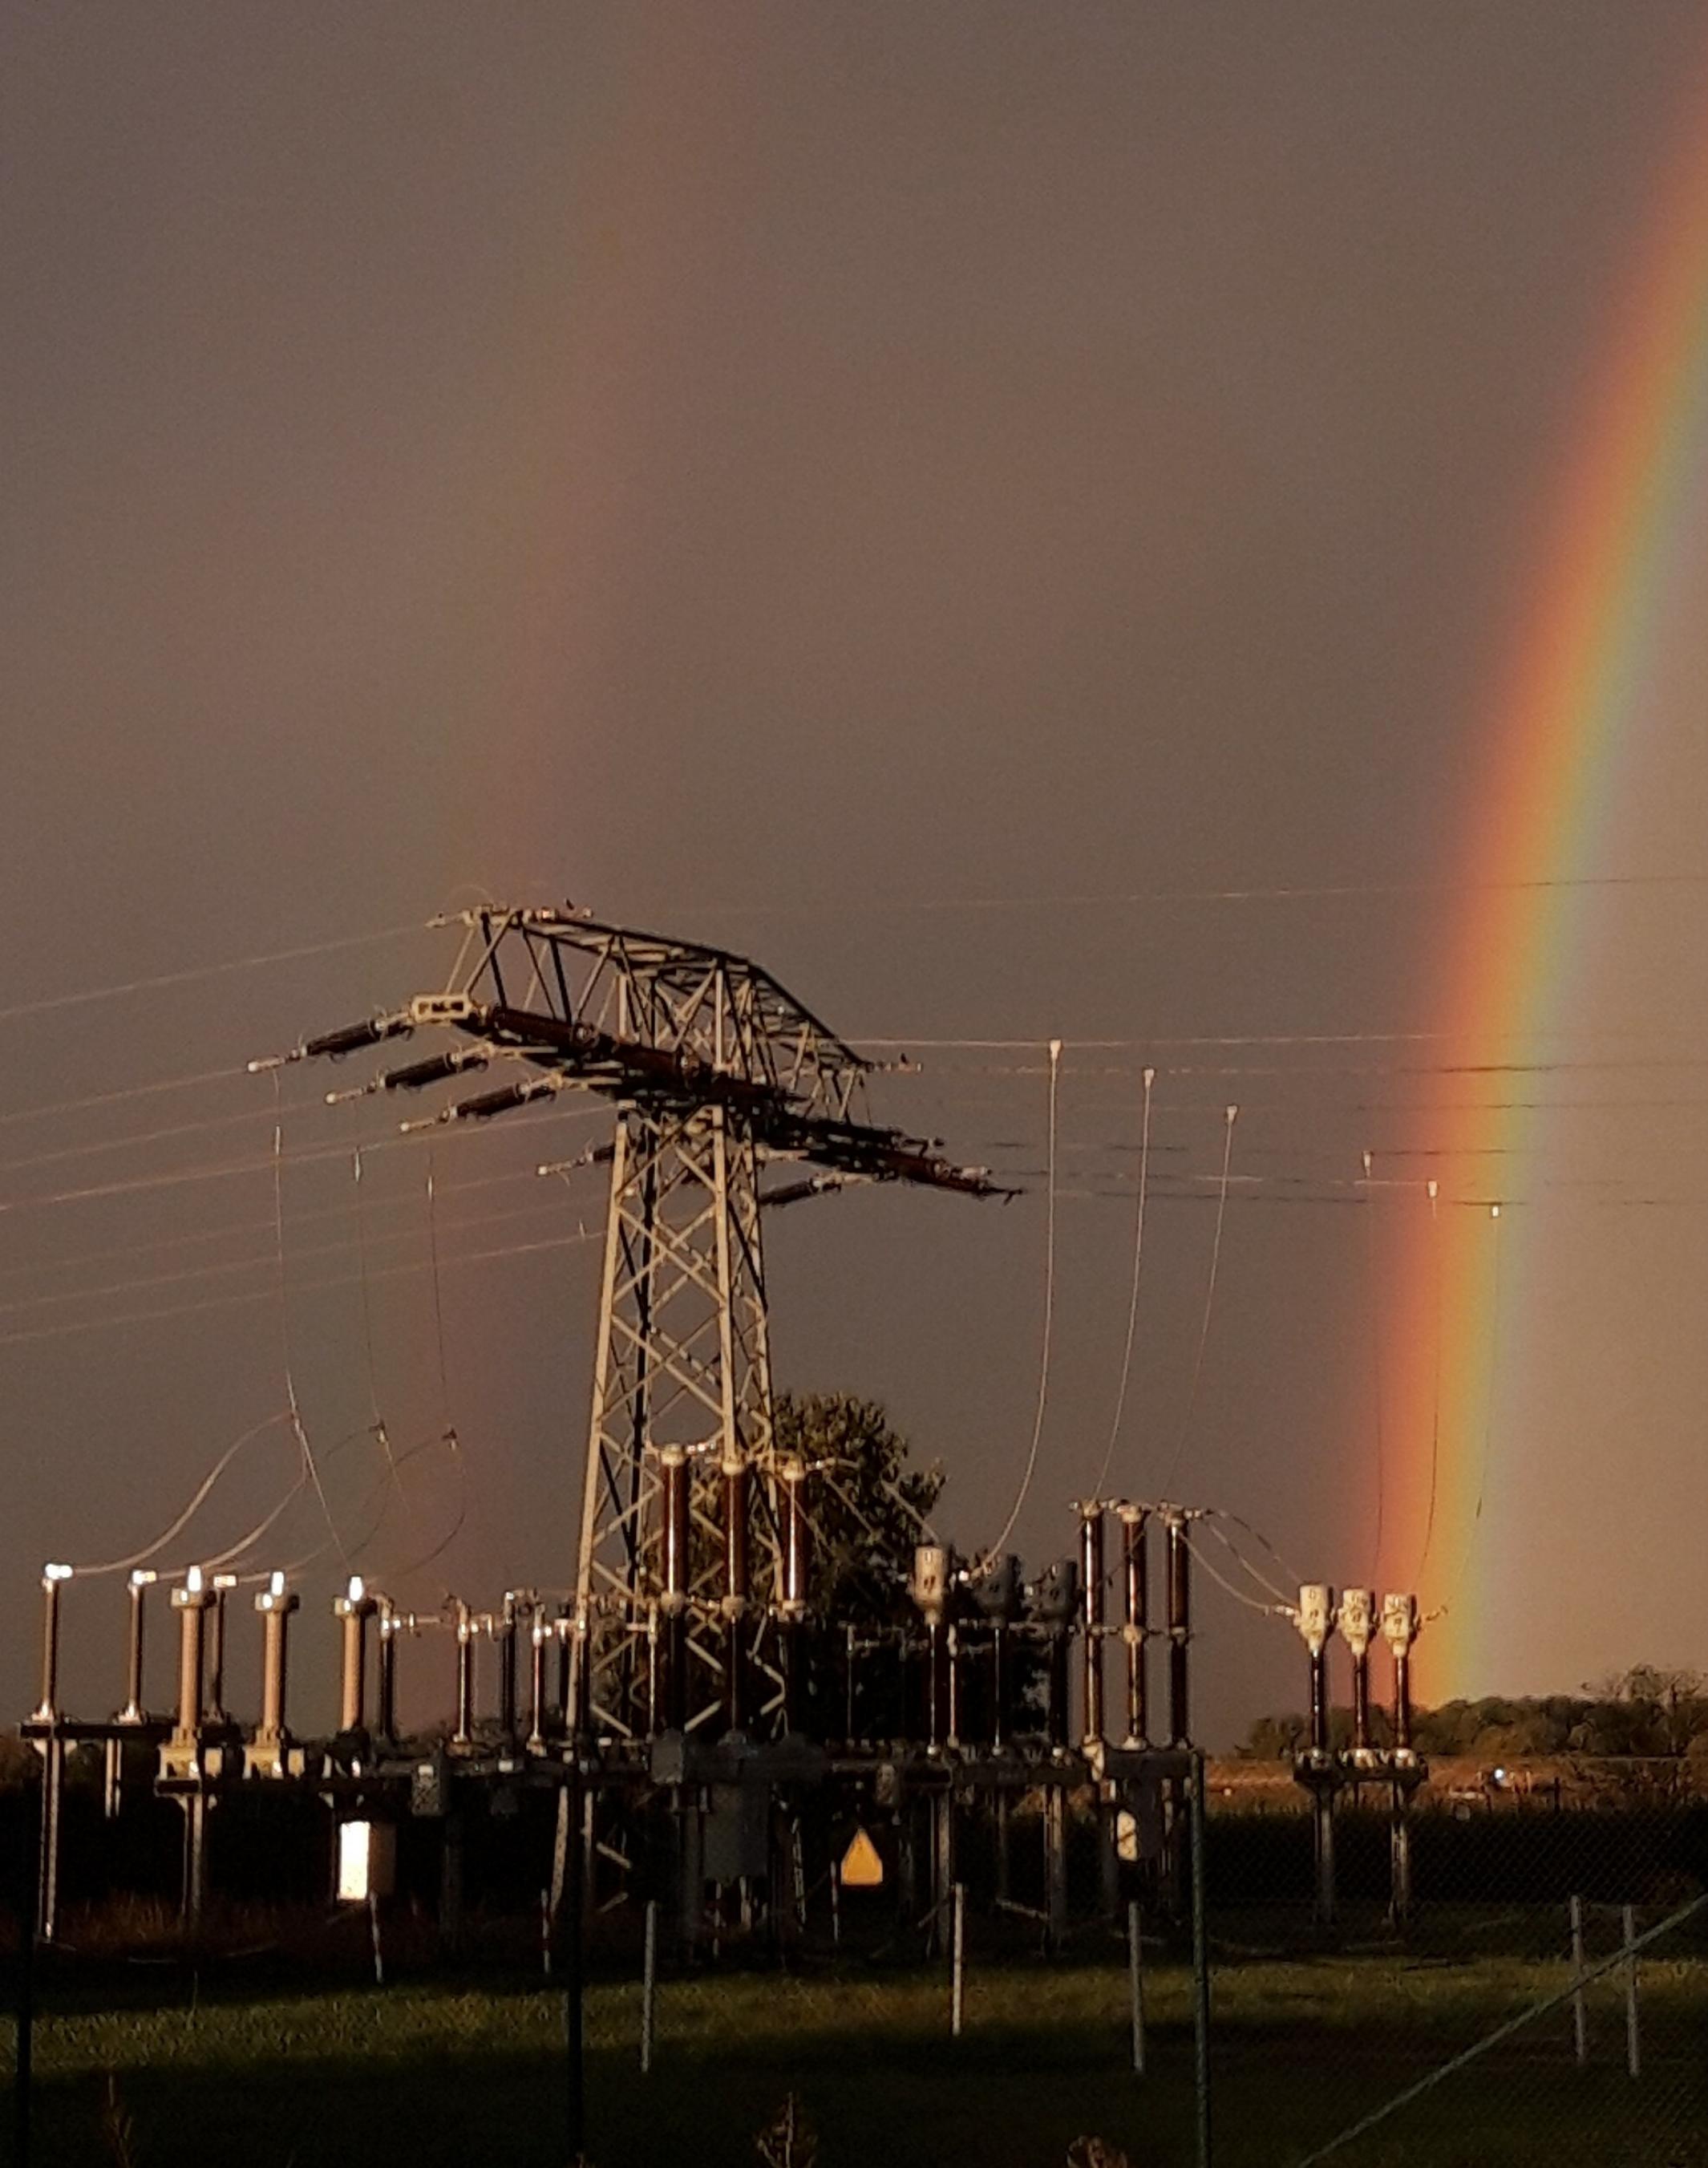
1644,1711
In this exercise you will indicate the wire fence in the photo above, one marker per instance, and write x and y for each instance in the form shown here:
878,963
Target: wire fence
1544,1998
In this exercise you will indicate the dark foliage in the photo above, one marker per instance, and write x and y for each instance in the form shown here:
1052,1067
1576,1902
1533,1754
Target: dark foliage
1644,1712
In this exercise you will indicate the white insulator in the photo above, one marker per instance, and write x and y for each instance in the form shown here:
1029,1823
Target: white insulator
1315,1616
1357,1619
1400,1622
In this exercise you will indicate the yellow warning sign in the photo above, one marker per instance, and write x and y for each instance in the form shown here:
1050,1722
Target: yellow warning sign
862,1868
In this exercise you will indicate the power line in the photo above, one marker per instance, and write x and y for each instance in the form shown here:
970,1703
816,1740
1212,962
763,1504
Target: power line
1376,1360
1363,1037
197,1498
1037,1428
221,1170
303,1287
1239,1596
883,902
233,1230
162,979
1209,1299
132,1142
296,1422
130,1091
1133,1300
1212,1515
1436,1409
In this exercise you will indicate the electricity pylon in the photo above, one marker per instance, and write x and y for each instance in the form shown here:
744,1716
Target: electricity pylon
715,1070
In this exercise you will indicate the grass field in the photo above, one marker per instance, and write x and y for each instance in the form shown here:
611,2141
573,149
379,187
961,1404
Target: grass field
426,2071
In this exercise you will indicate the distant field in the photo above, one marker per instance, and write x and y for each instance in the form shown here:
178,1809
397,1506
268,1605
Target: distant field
429,2072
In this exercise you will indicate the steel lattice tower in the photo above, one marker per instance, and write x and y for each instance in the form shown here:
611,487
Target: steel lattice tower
715,1070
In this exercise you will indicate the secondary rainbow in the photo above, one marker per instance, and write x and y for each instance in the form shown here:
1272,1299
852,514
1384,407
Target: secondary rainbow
1563,720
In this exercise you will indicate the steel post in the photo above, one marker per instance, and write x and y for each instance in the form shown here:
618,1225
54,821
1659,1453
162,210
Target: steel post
1055,1836
52,1579
1136,1626
28,1912
505,1636
1180,1603
1323,1853
192,1602
385,1713
215,1713
1056,1714
1091,1619
570,1966
1201,1961
275,1604
1319,1700
355,1607
735,1595
1400,1859
674,1481
796,1591
561,1634
464,1734
53,1778
541,1636
133,1711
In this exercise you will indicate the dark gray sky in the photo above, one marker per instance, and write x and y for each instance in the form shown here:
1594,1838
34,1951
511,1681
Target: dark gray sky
790,475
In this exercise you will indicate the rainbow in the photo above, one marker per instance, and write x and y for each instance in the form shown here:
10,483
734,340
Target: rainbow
1565,717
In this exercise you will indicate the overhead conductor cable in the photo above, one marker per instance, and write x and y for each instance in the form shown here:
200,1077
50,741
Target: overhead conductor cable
197,1497
1230,1117
379,1420
1375,1363
1133,1302
1493,1364
1434,1188
1037,1428
296,1421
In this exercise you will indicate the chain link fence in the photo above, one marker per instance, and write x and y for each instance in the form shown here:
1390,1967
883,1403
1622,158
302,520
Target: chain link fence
1545,2000
1539,1993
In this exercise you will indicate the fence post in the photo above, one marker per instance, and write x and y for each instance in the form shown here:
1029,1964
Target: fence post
374,1936
1201,1959
649,1984
574,2091
1633,2053
1135,1980
1322,1848
28,1899
1580,2015
957,1993
53,1773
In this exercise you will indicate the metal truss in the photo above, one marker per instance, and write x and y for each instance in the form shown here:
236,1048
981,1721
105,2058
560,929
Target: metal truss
715,1070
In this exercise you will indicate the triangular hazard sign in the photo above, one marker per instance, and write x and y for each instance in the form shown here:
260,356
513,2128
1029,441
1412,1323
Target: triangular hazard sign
862,1868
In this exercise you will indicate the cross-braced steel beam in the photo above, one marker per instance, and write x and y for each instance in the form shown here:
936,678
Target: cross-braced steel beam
715,1070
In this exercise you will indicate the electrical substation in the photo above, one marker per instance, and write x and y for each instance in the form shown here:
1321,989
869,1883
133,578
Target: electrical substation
684,1721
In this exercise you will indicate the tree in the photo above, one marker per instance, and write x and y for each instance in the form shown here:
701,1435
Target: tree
870,1507
1645,1712
1274,1739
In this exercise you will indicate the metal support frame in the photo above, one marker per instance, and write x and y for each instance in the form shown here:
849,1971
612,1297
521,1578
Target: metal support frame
355,1607
1180,1603
715,1071
1055,1836
270,1752
1136,1627
1091,1620
683,1348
